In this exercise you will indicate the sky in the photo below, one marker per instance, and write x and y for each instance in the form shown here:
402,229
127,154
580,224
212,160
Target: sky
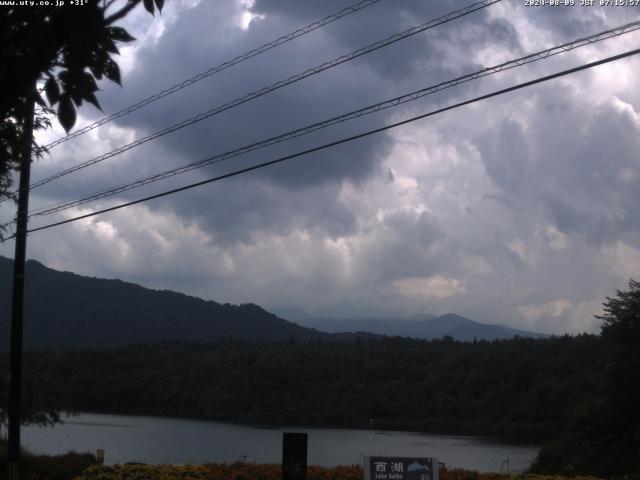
521,209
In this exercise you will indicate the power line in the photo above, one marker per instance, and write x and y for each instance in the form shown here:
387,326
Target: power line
258,93
344,140
219,68
540,55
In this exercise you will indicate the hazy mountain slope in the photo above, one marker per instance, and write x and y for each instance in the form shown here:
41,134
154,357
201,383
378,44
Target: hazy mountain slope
426,327
63,309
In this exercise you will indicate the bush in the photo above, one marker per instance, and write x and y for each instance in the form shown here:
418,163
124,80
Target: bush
50,467
252,471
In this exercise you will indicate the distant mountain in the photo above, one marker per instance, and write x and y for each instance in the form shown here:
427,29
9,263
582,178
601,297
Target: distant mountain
63,309
423,326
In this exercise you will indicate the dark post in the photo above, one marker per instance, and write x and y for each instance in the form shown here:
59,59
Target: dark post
294,456
17,302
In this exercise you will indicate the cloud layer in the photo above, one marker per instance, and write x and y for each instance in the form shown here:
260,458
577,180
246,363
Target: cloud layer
521,209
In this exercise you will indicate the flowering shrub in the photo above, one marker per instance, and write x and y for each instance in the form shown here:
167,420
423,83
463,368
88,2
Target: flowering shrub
459,474
253,471
145,472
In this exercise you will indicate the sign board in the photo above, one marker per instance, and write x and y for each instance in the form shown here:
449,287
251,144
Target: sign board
400,468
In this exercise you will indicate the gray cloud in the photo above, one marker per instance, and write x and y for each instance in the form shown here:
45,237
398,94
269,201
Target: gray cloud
581,174
518,210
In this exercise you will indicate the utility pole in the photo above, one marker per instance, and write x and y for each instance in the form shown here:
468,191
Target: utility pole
17,302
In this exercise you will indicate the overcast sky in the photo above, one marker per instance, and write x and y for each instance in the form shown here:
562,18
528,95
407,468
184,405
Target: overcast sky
522,209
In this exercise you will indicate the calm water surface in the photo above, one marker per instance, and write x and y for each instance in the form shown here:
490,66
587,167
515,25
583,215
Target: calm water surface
177,441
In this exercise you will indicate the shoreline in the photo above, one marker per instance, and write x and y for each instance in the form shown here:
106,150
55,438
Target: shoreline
526,439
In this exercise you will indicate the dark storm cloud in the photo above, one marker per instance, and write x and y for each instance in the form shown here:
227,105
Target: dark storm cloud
237,210
504,203
575,162
333,92
425,53
178,53
309,101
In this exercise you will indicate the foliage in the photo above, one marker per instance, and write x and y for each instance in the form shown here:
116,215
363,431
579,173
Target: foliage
603,434
65,50
50,467
253,471
39,398
460,474
236,471
520,388
621,335
57,467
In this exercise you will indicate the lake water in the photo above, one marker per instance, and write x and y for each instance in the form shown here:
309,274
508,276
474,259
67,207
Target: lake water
178,441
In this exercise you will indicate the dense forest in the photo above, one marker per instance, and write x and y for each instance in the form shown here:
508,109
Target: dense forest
579,395
560,391
520,388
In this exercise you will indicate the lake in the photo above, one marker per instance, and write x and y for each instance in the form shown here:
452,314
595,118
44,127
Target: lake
179,441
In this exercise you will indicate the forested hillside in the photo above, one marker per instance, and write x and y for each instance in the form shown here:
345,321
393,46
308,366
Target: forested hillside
63,309
519,388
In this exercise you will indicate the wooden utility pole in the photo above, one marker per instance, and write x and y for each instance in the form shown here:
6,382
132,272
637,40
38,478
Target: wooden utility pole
17,302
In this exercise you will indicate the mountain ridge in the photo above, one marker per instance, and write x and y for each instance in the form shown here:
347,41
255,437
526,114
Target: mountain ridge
63,309
430,327
67,310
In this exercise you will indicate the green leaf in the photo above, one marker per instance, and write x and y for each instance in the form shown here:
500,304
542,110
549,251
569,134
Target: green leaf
119,34
159,4
112,71
52,90
148,4
66,113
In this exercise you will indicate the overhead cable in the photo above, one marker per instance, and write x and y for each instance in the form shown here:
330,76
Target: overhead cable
275,86
543,54
339,142
218,68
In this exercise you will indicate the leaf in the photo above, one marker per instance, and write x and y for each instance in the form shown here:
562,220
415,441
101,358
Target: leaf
112,71
97,72
119,34
38,99
66,113
148,4
110,46
76,96
91,98
96,62
52,90
64,76
159,4
87,82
